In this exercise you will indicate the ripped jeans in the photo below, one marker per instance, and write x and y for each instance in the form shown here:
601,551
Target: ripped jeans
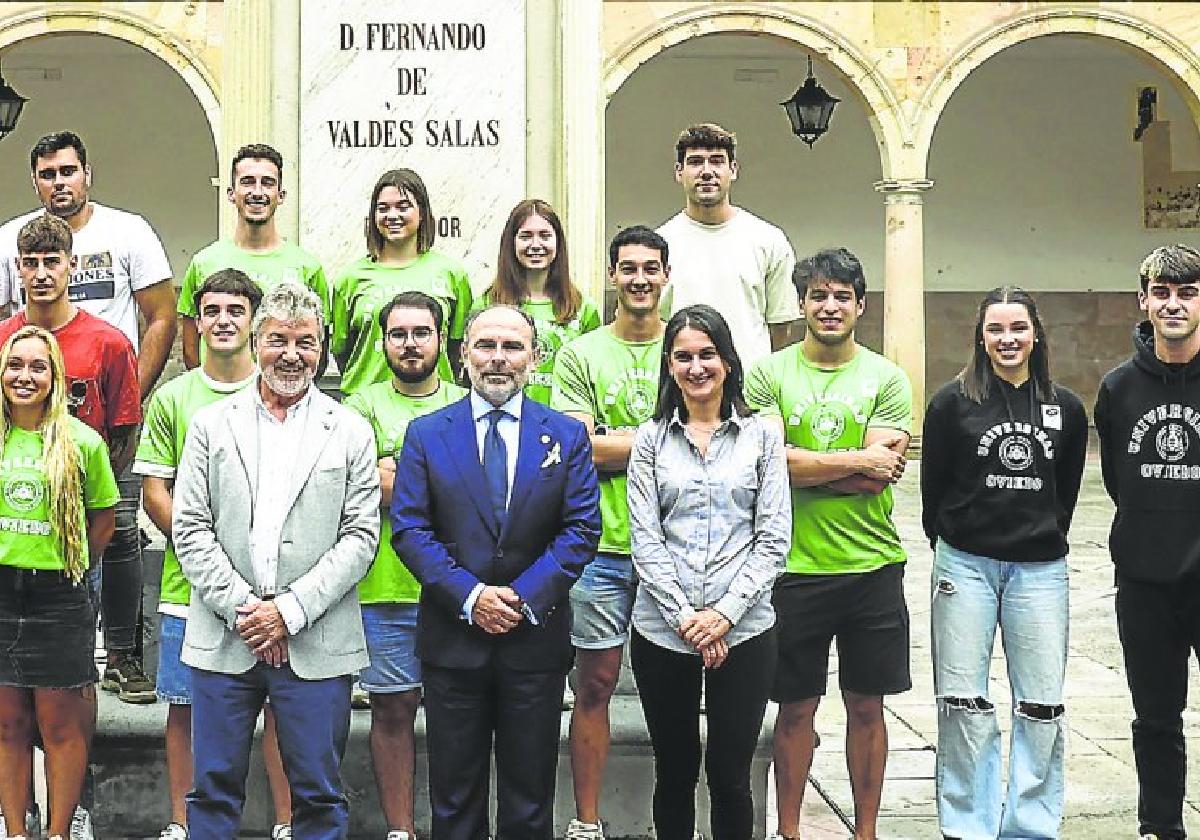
972,595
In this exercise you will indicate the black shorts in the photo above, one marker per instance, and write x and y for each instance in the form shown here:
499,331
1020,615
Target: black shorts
867,615
47,630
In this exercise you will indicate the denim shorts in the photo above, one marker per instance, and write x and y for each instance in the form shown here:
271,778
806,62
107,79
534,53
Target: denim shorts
602,602
47,630
174,682
391,631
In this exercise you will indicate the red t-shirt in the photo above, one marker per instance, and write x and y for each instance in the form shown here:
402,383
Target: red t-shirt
101,369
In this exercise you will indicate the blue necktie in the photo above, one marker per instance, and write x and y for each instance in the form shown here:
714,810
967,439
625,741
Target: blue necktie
495,466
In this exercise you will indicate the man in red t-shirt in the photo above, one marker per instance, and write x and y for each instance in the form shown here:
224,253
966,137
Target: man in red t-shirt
98,360
101,367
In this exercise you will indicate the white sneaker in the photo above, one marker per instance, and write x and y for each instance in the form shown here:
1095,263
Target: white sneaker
398,834
281,831
579,830
81,825
173,831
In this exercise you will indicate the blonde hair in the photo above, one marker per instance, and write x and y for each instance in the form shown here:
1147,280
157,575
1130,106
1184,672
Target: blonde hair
60,455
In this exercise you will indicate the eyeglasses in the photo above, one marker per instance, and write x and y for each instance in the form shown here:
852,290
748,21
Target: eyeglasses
420,336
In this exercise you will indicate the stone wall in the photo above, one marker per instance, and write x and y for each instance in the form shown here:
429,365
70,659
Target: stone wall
1089,333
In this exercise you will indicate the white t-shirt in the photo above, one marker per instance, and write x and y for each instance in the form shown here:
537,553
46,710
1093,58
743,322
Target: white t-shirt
118,254
742,268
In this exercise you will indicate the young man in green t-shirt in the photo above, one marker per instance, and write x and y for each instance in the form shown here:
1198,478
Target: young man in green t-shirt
846,413
411,324
608,380
224,304
257,248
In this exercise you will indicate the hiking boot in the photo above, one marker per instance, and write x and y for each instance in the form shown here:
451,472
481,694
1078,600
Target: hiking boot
128,679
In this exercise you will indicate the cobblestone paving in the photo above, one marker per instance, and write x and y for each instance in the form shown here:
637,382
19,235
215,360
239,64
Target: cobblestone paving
1101,785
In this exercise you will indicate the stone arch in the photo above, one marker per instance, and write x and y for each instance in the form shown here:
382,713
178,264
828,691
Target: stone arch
159,42
879,99
1165,51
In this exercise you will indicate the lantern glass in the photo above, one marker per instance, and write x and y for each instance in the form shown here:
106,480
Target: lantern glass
10,112
11,104
809,110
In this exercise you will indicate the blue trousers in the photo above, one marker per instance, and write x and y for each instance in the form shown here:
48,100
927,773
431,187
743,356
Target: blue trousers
313,721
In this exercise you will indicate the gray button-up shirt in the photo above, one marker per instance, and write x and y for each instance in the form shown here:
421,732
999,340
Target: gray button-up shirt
708,531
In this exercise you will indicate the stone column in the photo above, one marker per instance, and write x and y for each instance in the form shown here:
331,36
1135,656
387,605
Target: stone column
583,142
246,84
283,130
904,283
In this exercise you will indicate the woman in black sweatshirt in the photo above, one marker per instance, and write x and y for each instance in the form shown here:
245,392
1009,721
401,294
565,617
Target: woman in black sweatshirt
1002,458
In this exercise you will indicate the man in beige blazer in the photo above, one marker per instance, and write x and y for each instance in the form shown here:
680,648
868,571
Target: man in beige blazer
276,518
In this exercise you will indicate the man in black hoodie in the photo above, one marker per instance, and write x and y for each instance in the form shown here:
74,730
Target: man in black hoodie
1148,417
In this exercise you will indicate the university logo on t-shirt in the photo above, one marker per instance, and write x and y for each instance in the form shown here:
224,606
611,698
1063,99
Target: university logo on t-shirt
637,390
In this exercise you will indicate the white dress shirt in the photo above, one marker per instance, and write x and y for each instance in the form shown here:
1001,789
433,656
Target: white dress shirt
509,428
278,450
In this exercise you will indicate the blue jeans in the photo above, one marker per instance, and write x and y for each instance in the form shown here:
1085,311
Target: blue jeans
1028,601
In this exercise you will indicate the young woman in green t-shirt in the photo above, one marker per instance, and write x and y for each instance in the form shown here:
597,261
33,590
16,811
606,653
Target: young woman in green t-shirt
57,498
400,229
532,273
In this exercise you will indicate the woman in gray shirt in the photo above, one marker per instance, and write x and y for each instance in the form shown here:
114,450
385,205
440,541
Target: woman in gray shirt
710,522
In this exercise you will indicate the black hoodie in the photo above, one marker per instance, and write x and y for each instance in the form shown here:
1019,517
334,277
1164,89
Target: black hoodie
1000,478
1148,417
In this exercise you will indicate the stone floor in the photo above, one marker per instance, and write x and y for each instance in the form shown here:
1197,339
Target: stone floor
1101,785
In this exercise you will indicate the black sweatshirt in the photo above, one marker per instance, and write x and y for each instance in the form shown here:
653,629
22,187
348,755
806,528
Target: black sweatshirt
1148,417
1000,478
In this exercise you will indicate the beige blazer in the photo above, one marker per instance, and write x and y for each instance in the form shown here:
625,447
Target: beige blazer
327,545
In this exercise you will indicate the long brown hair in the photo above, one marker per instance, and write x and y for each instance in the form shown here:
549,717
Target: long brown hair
976,377
61,458
510,288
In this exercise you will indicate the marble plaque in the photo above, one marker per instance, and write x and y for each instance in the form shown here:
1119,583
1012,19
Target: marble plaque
434,86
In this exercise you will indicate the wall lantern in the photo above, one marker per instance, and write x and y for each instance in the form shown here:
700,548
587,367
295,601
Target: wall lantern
809,109
11,104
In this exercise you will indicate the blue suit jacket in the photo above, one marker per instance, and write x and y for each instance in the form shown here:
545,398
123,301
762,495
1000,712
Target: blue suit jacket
443,528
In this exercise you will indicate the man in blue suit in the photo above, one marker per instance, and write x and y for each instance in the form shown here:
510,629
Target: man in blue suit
496,511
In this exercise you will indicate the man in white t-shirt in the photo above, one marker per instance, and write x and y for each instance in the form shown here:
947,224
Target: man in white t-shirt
122,271
726,256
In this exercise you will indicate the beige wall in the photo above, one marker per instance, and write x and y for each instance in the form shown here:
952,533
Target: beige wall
149,143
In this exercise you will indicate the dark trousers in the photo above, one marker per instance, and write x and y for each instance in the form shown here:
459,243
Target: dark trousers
313,721
736,698
121,579
465,709
1159,625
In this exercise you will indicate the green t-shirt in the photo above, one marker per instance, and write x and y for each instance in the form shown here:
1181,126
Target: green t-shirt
827,411
366,287
27,538
168,415
287,262
551,337
389,412
616,382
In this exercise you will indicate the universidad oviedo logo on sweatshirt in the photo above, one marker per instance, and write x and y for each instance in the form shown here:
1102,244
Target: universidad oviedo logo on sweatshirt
1166,427
1015,444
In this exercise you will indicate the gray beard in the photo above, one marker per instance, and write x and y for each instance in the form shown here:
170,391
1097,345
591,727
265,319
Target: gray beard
287,387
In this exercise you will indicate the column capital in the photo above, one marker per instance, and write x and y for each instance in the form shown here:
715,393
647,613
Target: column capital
903,190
